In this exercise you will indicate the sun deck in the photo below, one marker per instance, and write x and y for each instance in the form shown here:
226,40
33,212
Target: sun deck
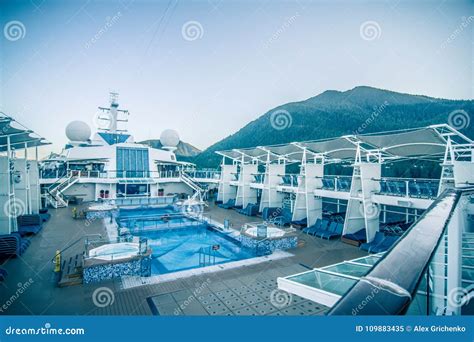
245,290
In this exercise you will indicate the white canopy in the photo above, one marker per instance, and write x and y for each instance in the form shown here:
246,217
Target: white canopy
426,142
17,135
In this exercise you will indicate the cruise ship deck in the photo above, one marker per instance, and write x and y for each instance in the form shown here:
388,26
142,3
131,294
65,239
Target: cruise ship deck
241,291
115,227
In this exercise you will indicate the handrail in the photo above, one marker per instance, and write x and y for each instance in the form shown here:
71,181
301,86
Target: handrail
393,281
75,242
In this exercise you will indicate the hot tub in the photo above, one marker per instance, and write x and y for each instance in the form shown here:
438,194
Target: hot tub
272,232
115,251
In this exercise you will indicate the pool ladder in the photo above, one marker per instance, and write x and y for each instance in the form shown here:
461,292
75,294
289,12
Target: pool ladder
207,256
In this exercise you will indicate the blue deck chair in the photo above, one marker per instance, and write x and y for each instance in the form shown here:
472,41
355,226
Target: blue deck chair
316,225
284,219
423,189
269,213
344,184
413,189
330,229
400,188
384,245
379,237
245,210
230,203
383,187
335,234
323,227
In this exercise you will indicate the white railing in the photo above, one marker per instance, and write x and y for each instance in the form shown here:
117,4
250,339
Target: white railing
144,200
196,174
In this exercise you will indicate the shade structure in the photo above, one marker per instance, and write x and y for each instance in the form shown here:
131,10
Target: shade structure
425,142
17,135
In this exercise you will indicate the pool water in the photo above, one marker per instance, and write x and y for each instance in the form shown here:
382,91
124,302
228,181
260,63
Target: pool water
140,212
192,247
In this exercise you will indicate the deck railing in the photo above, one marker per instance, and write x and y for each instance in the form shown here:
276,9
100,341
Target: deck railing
409,187
337,183
393,283
59,173
289,180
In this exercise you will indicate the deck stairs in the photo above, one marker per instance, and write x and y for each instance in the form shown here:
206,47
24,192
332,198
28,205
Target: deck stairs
55,192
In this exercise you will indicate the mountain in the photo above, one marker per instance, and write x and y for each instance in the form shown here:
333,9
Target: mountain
184,152
335,113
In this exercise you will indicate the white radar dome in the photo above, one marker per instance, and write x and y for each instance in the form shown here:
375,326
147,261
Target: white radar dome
78,131
169,138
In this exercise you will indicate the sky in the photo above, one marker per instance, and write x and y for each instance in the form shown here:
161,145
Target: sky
207,68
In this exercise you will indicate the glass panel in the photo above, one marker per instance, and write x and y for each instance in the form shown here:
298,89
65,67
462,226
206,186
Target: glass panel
349,269
324,281
369,260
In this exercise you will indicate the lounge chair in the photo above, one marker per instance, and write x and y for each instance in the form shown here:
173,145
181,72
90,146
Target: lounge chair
330,229
269,213
283,219
29,224
322,228
378,239
10,245
387,242
316,225
250,210
333,234
230,204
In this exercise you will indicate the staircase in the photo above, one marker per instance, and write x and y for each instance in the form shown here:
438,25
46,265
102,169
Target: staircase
199,192
54,193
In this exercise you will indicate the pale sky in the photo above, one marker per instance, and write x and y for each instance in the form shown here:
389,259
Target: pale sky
247,58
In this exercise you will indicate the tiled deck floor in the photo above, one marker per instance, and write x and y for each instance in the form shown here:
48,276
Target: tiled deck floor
245,290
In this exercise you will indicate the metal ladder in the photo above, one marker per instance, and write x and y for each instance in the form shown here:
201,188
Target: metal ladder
207,254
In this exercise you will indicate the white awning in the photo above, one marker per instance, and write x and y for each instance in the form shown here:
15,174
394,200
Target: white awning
426,142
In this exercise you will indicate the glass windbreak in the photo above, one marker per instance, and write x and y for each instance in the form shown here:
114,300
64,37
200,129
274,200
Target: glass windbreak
368,260
349,269
324,281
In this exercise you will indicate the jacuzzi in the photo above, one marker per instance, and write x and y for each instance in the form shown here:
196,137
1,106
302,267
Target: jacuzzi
272,232
115,251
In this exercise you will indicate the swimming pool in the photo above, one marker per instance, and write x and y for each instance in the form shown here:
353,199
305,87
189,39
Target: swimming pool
187,248
179,242
115,251
140,219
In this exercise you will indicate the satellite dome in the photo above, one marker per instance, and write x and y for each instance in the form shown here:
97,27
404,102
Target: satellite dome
169,138
78,131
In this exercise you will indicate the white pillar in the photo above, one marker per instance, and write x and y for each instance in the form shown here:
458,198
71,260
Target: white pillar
270,196
307,205
245,194
227,191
